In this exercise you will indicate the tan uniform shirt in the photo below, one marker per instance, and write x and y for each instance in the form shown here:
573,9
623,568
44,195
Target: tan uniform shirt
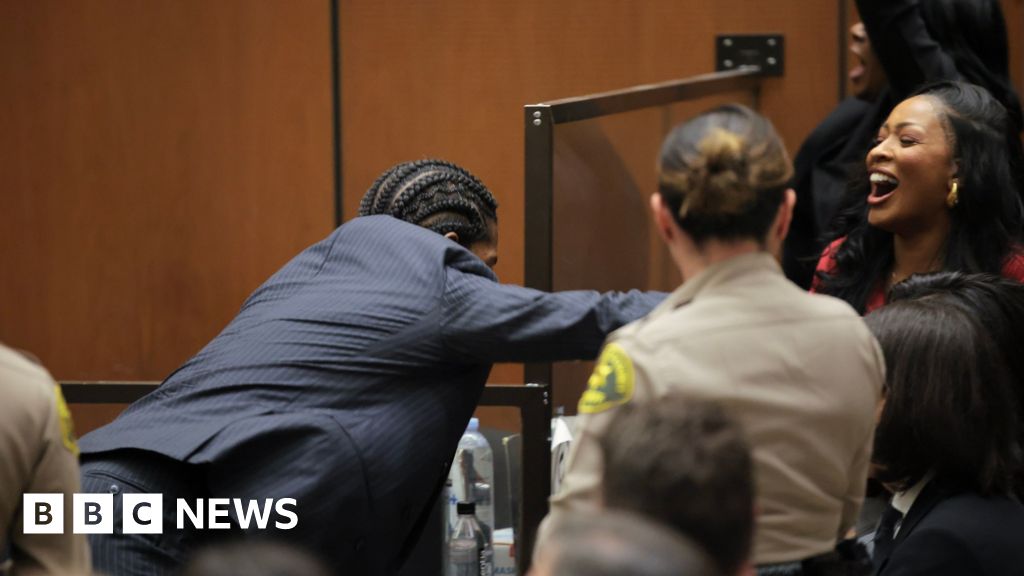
37,455
800,372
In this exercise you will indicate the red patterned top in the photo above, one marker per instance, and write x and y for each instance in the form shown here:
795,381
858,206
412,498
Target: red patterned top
1013,269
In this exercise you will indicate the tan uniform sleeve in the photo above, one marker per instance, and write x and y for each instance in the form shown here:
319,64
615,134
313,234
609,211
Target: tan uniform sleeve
582,487
56,471
862,461
855,494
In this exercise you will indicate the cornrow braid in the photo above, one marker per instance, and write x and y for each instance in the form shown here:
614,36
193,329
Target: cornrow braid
377,203
438,195
366,204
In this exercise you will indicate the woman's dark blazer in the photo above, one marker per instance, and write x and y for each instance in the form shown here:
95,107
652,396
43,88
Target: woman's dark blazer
956,533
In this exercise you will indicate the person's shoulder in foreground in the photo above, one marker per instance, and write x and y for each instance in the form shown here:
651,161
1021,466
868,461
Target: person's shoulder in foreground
38,453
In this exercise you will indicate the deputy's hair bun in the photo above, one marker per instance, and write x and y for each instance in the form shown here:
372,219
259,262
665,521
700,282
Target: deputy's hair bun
715,169
718,183
721,148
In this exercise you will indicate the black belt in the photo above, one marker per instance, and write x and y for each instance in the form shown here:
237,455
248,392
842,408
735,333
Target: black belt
849,558
784,569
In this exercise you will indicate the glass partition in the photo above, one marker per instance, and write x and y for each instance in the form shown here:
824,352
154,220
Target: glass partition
602,235
590,170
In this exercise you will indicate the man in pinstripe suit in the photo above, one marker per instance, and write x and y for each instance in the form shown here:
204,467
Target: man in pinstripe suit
346,380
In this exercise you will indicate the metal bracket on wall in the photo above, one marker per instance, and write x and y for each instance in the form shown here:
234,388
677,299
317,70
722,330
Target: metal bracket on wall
767,51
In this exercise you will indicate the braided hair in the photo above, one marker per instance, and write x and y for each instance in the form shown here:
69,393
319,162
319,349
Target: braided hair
435,194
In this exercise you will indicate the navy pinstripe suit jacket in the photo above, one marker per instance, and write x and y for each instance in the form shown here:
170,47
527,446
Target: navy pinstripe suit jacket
388,328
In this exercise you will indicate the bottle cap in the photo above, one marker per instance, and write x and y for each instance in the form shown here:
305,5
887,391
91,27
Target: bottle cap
474,424
465,508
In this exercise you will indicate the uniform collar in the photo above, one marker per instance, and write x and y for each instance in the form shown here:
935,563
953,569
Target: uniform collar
718,274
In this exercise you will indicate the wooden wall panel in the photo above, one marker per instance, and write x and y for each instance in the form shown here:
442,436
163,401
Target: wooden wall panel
1014,12
158,161
88,417
449,78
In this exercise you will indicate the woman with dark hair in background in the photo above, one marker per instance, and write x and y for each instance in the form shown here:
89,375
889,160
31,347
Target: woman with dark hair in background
947,445
900,46
996,303
939,193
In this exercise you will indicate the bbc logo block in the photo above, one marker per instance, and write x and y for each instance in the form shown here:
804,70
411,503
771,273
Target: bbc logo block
94,514
43,513
143,513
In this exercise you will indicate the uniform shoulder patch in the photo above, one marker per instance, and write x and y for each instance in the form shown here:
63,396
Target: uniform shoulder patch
67,426
611,384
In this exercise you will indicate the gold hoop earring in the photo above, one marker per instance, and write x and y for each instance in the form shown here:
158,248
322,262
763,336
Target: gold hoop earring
953,197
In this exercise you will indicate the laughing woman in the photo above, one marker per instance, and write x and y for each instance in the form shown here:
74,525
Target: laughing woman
939,193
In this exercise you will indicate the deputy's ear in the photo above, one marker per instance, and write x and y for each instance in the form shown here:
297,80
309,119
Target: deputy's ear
453,236
662,219
784,217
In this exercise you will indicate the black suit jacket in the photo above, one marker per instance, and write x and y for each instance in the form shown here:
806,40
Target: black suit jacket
360,363
821,170
948,533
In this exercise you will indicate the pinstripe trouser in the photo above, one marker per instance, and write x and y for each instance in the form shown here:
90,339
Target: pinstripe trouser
138,472
305,456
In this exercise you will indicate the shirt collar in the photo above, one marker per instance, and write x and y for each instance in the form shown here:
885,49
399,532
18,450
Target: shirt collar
902,501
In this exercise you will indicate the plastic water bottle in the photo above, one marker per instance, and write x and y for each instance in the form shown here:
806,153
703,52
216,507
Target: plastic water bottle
472,476
446,526
469,551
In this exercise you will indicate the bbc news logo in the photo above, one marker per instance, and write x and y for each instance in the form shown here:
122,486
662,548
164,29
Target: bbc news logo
143,513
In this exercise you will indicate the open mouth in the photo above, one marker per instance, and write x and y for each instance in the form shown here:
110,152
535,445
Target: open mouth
857,72
882,187
860,70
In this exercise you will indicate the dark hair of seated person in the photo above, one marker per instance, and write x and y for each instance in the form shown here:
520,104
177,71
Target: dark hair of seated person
950,405
996,303
617,543
684,463
724,174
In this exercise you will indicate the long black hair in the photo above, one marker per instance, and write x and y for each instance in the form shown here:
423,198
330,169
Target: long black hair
973,33
985,224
